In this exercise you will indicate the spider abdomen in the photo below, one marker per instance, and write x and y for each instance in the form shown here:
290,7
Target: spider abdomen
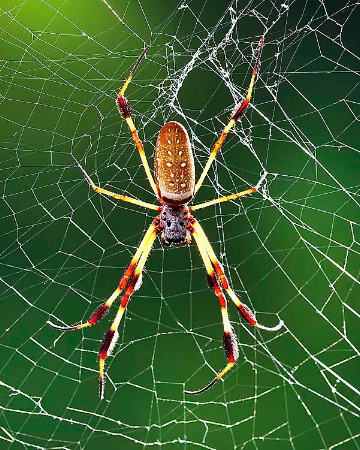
174,165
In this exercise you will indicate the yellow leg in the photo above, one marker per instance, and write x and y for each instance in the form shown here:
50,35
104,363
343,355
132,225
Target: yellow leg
222,199
112,335
243,309
104,308
238,113
124,109
123,198
230,343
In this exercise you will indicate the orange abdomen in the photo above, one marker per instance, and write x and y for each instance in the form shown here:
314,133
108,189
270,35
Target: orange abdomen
174,165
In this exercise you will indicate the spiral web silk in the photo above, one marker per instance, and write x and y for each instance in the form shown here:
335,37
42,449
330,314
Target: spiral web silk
291,251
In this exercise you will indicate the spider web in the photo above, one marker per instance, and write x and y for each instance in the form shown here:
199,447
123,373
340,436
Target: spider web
291,250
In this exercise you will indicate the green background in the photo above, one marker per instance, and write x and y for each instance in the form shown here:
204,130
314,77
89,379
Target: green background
291,250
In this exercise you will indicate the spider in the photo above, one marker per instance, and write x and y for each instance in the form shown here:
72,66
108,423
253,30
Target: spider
174,186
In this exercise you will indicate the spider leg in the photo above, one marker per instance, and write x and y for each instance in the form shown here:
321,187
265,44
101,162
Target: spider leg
243,309
222,199
124,198
112,335
125,110
230,343
237,114
125,280
217,279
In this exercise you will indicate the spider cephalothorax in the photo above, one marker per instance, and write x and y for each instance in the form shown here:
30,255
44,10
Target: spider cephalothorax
174,220
174,186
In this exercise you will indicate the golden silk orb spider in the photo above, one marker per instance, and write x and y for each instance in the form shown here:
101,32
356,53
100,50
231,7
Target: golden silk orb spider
174,186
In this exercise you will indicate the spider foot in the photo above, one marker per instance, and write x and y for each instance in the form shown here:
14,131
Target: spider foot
86,176
107,346
99,312
71,327
246,312
274,328
261,180
205,388
212,382
231,349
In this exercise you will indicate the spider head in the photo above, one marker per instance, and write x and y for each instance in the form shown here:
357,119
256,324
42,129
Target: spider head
174,220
